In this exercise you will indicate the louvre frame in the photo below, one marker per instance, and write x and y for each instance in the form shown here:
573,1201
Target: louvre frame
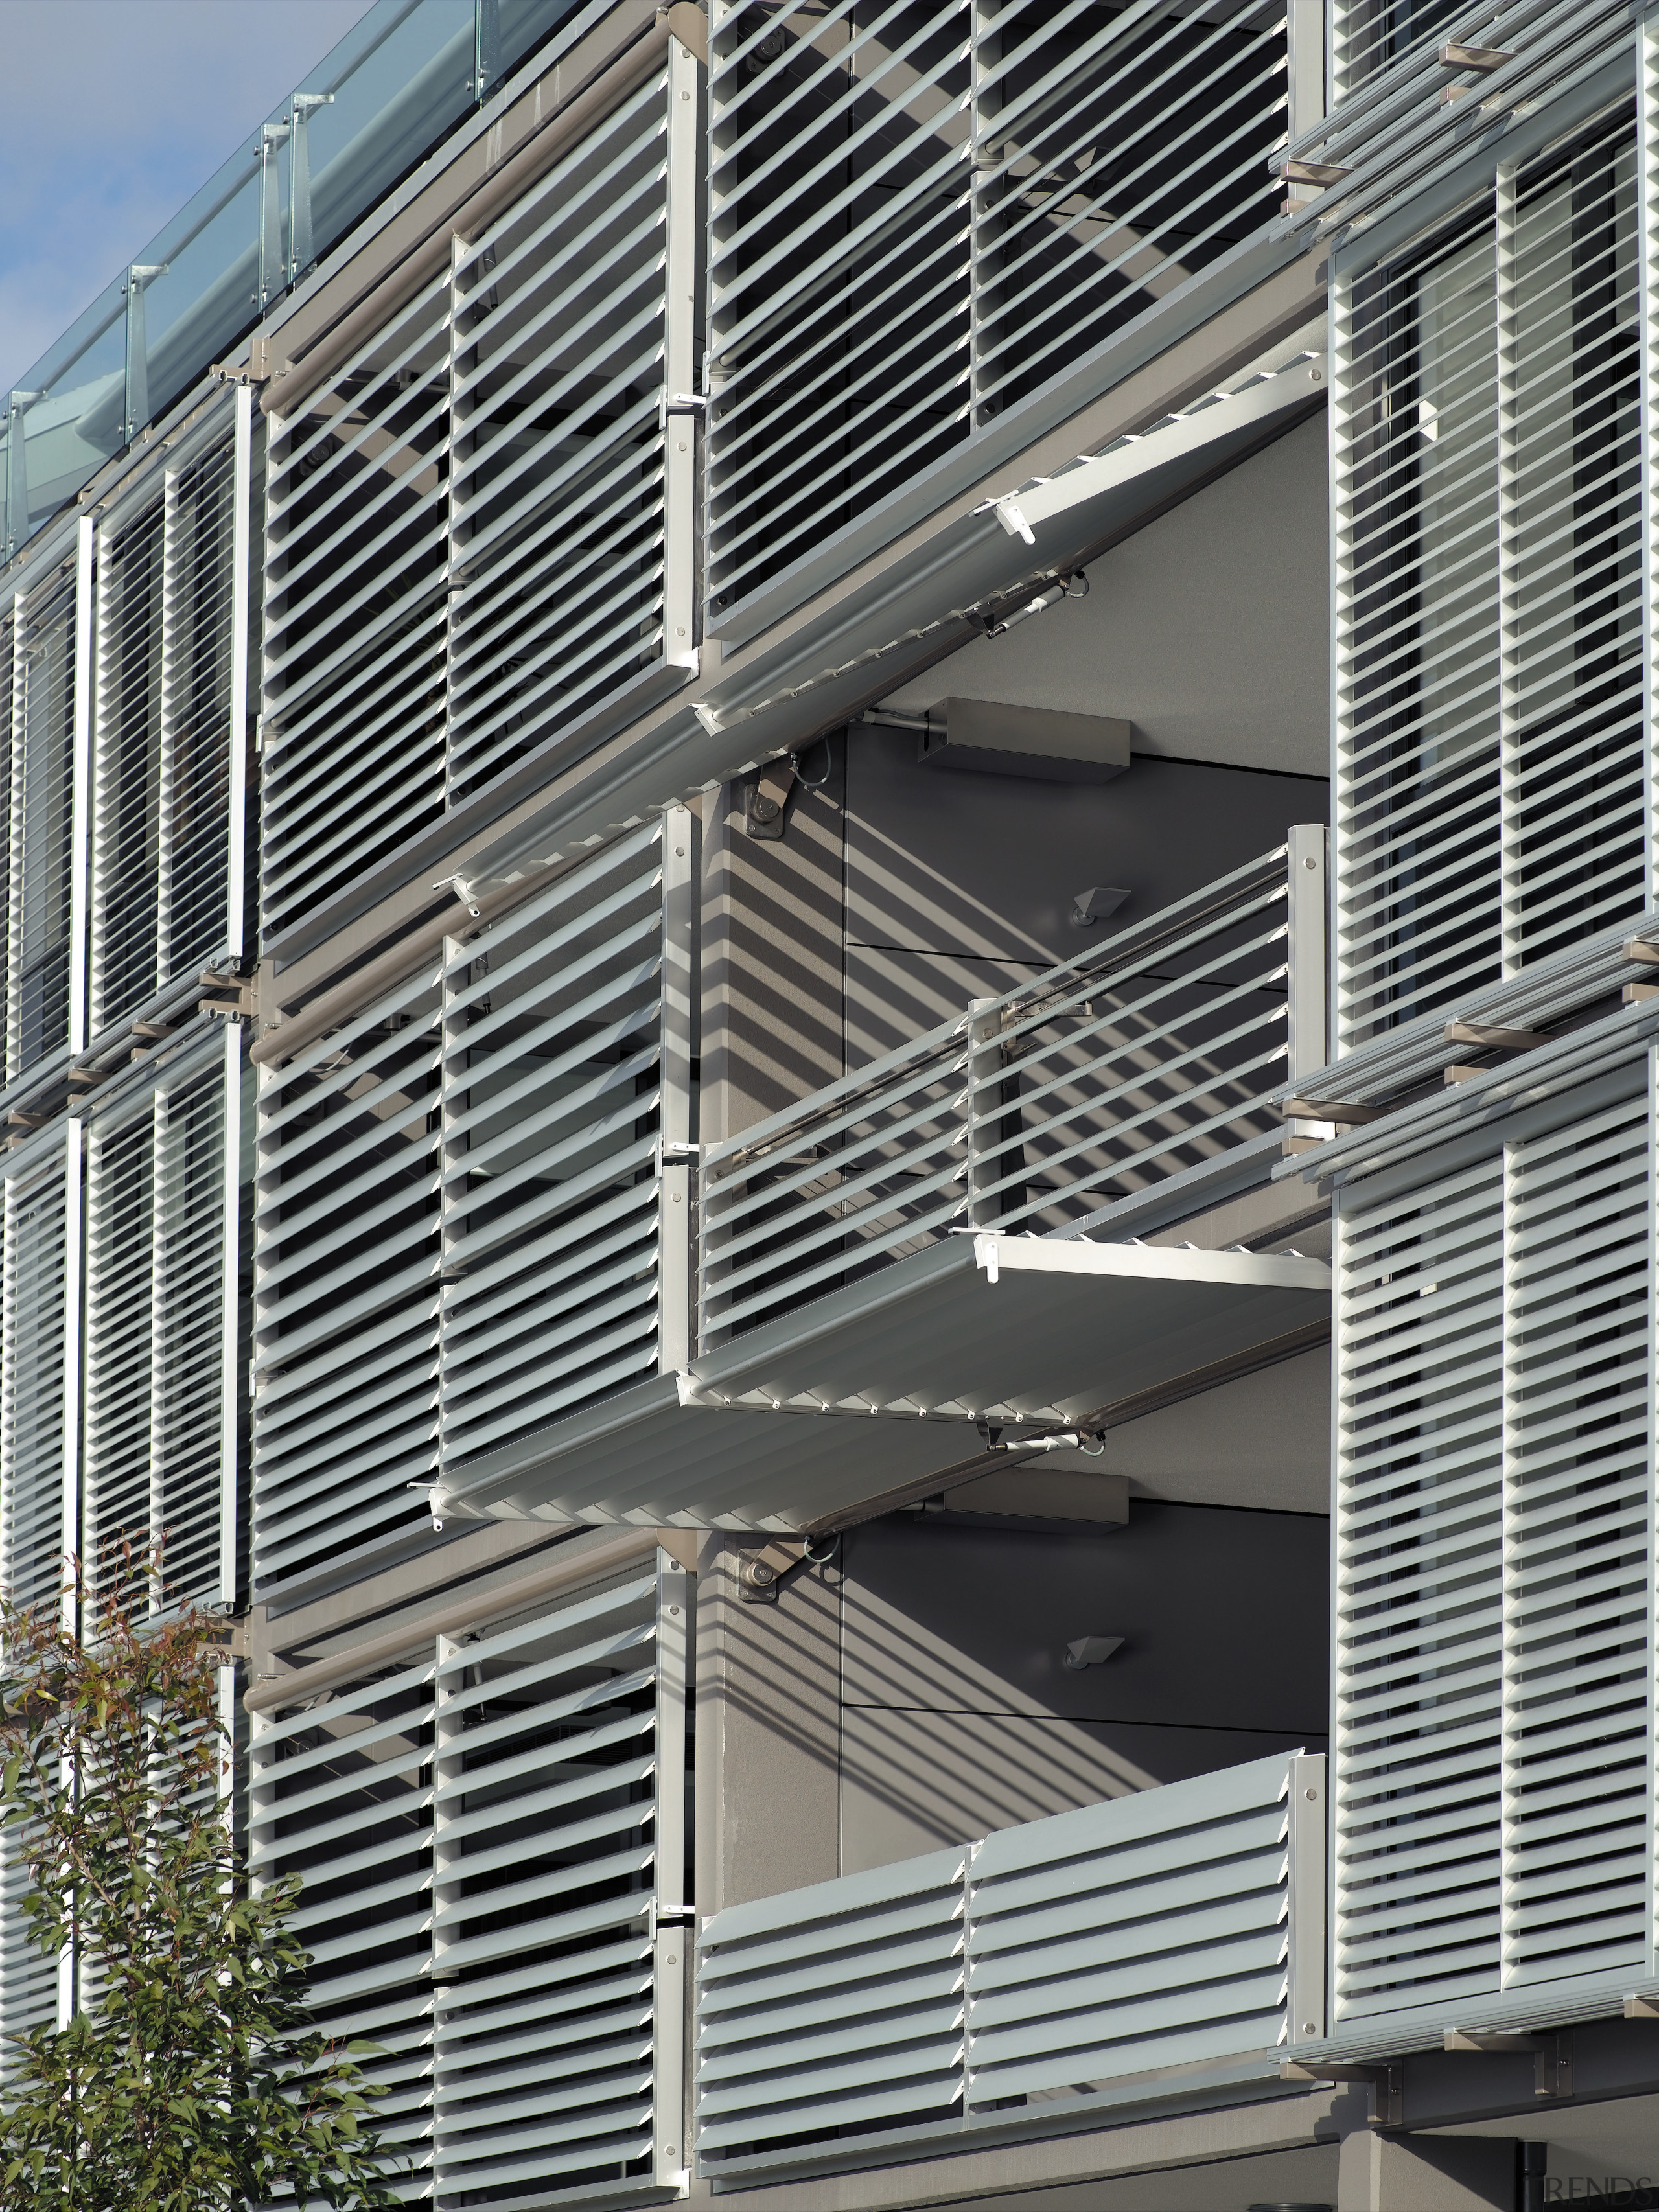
1118,1953
45,888
459,1226
479,532
39,1372
162,1387
168,796
1549,562
1492,1769
867,319
480,1897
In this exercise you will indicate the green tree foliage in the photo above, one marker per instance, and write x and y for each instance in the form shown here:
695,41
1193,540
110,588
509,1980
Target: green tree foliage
192,2082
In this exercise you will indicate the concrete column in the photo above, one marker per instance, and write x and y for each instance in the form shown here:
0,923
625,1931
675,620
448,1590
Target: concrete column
1426,2174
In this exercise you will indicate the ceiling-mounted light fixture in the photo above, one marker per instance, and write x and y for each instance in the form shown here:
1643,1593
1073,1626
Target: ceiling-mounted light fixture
1090,1651
1098,904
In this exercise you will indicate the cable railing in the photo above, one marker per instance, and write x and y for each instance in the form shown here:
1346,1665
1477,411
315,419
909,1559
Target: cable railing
1144,1058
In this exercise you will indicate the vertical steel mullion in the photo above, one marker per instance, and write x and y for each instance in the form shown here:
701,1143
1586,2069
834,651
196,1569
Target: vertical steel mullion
672,1926
453,1095
241,557
1511,710
448,1760
1305,65
1308,982
676,1135
681,429
1304,1902
230,1369
81,795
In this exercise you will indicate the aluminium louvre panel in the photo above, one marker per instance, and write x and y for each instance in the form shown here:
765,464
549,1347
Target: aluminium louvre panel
1393,136
163,1166
41,923
491,1835
477,538
38,1370
1008,196
166,762
1494,1538
1108,1955
1490,657
456,1228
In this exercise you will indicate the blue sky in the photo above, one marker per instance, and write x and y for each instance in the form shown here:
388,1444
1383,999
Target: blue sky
111,113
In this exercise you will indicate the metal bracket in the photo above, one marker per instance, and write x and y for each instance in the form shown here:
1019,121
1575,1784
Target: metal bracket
1388,2084
765,800
1551,2054
761,1574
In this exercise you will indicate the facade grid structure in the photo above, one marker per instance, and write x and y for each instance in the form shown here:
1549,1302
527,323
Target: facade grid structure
829,1052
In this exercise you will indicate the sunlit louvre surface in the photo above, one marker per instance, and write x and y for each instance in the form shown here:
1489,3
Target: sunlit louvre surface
1490,624
922,214
161,1366
163,748
488,1832
487,1125
1045,1965
466,526
1494,1568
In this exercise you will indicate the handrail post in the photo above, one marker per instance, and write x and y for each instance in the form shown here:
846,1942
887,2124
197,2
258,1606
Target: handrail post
1307,978
1305,1900
984,1116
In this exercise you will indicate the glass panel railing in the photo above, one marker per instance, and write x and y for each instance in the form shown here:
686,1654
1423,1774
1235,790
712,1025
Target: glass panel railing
377,104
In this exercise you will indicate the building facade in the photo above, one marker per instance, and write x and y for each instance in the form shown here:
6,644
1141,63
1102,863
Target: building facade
829,1055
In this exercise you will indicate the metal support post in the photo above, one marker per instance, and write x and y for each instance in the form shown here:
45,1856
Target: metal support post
140,275
681,409
677,1120
81,785
984,1115
273,262
675,1926
301,248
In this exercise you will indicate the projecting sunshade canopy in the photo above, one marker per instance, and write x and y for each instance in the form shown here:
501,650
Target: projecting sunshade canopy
883,1385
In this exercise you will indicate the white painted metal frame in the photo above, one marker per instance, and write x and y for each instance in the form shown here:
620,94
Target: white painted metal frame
1492,1758
482,1897
1166,1941
1492,614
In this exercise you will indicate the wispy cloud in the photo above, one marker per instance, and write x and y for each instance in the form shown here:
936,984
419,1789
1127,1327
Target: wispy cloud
111,113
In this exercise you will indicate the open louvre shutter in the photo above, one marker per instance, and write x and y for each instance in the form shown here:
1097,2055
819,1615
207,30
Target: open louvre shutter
161,1173
340,1794
1490,595
559,1838
922,214
346,1288
559,482
42,820
536,1774
553,1024
126,830
1419,1535
1493,1824
1577,1780
477,540
356,541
